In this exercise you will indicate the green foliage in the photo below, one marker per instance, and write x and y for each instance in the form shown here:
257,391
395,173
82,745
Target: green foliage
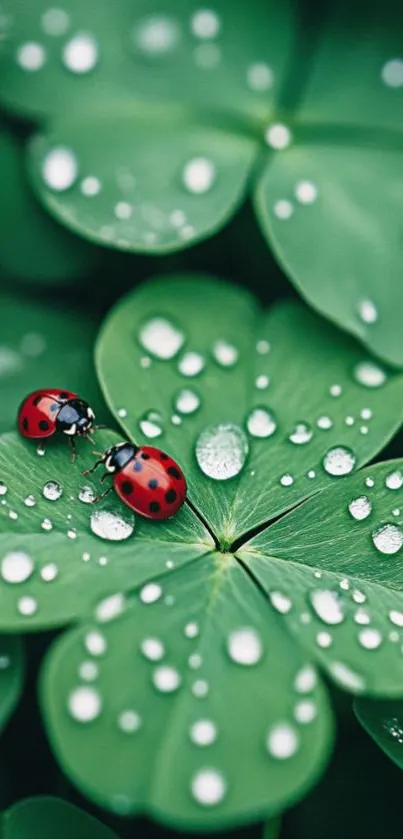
51,818
383,719
11,676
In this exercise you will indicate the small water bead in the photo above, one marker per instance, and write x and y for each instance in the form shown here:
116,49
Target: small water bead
86,556
394,637
200,688
49,572
259,76
208,787
367,311
166,679
396,617
394,480
5,662
305,711
364,429
111,526
88,671
191,630
123,210
261,422
306,192
90,186
225,353
327,606
13,515
129,721
221,451
84,704
335,390
47,525
370,639
187,401
362,617
72,533
207,56
324,423
31,56
324,640
392,73
169,564
358,596
161,338
360,508
110,607
55,22
203,732
286,480
244,646
80,55
191,364
95,643
199,175
3,488
16,567
205,24
176,420
195,661
369,482
396,511
347,678
388,538
156,35
339,461
344,584
282,741
169,600
305,680
349,421
59,169
86,495
278,136
30,501
262,382
40,450
27,605
280,602
369,374
150,593
301,434
52,491
283,209
153,649
366,414
151,425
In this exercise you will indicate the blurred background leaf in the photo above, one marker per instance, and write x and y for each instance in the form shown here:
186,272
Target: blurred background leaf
45,817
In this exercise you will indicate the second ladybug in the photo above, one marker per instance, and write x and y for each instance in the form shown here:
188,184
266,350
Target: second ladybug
50,410
146,479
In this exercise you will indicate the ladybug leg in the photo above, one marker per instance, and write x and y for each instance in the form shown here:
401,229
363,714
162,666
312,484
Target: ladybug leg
87,436
73,449
95,466
98,498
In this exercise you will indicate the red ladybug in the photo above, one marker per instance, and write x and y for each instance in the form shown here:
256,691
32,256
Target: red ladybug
46,411
145,478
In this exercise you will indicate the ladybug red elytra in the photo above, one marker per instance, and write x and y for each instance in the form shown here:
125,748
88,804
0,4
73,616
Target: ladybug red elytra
49,410
145,478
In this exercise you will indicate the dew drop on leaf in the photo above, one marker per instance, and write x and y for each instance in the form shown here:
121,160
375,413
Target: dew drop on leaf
259,76
27,605
283,209
396,617
394,480
150,593
29,501
55,22
280,602
40,450
278,136
52,491
203,732
80,55
394,729
153,649
335,390
261,423
282,741
208,786
205,24
31,56
360,508
60,169
166,679
370,638
362,617
90,186
191,630
95,643
151,425
305,711
187,401
47,525
301,434
111,526
109,608
324,640
346,678
262,382
225,354
327,606
244,646
199,175
191,364
324,423
367,311
306,192
3,488
369,374
16,567
305,680
392,73
84,704
200,688
339,461
286,480
49,572
156,35
86,495
161,338
129,721
221,451
388,538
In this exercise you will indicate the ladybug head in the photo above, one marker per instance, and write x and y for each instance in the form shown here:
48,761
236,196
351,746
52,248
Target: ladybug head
116,457
75,418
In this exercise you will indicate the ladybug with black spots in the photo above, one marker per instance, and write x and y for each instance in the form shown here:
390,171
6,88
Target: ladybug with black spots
146,479
50,410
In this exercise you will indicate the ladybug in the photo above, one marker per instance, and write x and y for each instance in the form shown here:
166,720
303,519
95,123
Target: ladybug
46,411
145,478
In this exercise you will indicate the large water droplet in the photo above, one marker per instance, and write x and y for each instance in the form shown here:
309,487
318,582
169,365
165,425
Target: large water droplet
52,491
153,649
327,606
369,374
370,638
396,617
360,508
151,424
187,401
203,732
324,423
191,364
161,338
109,608
16,567
261,423
282,741
111,526
80,55
388,538
59,169
221,451
199,175
394,480
84,704
245,646
208,787
166,679
339,461
225,353
301,434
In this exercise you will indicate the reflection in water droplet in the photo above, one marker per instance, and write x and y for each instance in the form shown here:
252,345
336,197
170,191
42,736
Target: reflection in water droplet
151,424
369,374
282,741
221,451
244,646
367,311
86,495
111,526
153,649
339,461
52,491
31,56
208,787
394,480
370,639
305,680
27,605
166,679
49,572
150,593
187,401
225,353
59,169
129,721
203,732
360,508
191,364
80,55
95,643
16,567
388,538
347,678
29,501
261,423
3,488
396,617
281,602
305,711
327,606
84,704
302,434
161,338
199,175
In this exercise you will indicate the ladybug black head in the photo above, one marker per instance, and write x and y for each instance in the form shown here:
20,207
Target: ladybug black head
116,457
75,418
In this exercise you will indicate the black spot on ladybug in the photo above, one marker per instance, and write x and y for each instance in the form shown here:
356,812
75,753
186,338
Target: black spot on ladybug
174,472
25,424
37,400
163,456
127,487
64,395
153,483
145,456
170,496
43,425
154,507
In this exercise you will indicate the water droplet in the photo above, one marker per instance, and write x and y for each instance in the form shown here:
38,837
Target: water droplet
392,73
88,671
72,533
261,423
199,175
166,679
324,640
205,23
80,55
282,741
156,35
369,638
388,538
31,56
359,596
55,22
49,572
13,515
339,461
40,450
109,608
221,451
47,525
396,511
366,414
360,508
191,364
349,421
16,567
281,602
3,488
187,401
59,169
306,192
262,382
150,593
262,347
191,630
344,584
347,678
335,390
129,721
151,424
394,480
259,76
286,480
362,617
369,374
123,210
208,787
311,473
30,501
90,186
396,617
52,491
86,495
305,711
153,649
278,136
203,732
27,605
244,646
95,643
111,526
225,353
161,338
283,209
301,434
324,423
367,311
369,482
84,704
200,688
195,661
327,606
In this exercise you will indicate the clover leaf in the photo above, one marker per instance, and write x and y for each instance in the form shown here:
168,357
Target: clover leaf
11,675
383,720
199,638
51,818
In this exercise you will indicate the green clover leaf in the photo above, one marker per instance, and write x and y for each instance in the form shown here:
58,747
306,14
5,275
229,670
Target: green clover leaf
199,638
383,720
51,818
